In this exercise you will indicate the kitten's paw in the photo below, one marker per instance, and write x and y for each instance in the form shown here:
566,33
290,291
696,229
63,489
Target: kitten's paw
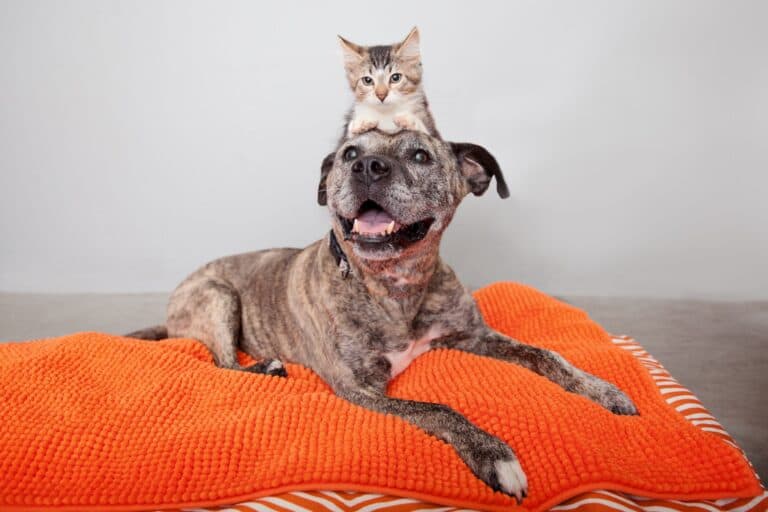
273,367
410,122
405,122
358,126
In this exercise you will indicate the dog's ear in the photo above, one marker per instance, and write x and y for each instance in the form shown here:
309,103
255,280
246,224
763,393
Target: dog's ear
325,168
478,167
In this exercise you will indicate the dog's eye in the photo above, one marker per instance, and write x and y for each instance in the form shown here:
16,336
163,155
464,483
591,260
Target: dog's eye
420,156
350,153
395,78
367,80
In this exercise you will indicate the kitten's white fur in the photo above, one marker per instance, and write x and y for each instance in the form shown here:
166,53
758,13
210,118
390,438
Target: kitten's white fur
389,117
404,106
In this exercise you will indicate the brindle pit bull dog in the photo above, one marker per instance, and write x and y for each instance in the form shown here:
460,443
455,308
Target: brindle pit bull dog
360,305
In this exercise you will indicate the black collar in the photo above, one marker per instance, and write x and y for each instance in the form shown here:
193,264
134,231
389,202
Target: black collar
338,255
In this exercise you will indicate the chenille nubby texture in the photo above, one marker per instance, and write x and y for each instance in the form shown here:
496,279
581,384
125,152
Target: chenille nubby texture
99,422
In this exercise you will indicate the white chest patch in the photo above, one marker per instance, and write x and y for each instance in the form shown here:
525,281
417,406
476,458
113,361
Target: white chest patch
383,116
401,360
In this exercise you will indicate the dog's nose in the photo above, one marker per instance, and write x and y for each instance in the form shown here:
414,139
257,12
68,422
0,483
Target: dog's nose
371,168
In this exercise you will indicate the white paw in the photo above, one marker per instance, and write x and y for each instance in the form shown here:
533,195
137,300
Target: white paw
405,121
410,122
361,125
272,367
511,478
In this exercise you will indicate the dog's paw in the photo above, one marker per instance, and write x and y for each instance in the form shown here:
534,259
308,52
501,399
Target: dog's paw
273,367
511,479
493,462
611,397
619,403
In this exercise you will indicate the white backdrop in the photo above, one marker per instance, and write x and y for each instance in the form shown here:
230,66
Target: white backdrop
140,139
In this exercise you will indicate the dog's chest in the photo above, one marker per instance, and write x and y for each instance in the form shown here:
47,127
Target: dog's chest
399,360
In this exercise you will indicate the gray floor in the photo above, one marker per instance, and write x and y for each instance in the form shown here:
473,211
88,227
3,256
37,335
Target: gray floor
718,350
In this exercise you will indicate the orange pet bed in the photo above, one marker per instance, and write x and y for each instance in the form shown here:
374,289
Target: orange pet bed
99,422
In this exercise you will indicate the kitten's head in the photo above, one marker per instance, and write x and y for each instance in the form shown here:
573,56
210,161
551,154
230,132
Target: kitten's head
383,74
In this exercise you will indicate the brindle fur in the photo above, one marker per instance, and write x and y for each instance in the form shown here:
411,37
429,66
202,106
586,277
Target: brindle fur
296,305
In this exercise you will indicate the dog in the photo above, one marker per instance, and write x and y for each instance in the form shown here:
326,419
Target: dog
359,305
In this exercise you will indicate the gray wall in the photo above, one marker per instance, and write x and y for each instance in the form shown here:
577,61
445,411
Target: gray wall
140,139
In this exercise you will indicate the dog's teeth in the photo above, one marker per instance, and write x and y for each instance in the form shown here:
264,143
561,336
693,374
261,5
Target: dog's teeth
391,228
355,227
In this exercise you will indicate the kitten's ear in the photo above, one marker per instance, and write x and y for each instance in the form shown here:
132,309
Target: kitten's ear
325,168
353,53
478,167
409,47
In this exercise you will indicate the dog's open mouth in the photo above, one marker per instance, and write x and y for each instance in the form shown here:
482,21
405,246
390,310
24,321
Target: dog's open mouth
373,225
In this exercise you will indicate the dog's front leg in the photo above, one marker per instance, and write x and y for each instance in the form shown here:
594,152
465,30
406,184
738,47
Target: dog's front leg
547,364
489,458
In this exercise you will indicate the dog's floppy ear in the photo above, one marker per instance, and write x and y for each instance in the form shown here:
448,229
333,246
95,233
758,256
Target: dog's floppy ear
325,168
478,167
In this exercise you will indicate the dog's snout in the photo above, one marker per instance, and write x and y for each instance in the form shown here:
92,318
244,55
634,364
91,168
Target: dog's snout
377,167
371,168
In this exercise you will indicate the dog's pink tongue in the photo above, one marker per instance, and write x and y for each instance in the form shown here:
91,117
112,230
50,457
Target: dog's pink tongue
373,222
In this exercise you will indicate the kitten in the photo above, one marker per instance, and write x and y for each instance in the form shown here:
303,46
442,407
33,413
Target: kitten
386,81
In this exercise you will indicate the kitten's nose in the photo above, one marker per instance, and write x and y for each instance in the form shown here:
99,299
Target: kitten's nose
382,94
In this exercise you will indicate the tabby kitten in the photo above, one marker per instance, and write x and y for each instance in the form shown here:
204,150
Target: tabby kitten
386,81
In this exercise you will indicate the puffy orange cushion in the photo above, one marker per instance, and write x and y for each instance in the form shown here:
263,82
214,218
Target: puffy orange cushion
99,422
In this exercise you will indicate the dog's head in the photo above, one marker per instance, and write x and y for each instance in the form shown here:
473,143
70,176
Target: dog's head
394,193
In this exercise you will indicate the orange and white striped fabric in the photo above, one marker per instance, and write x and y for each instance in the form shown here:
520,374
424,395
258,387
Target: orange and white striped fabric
677,396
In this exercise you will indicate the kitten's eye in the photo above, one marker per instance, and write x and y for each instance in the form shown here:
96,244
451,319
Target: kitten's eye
350,153
367,80
421,156
395,78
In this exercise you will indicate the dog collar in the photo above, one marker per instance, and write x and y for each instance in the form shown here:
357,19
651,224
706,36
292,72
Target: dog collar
339,256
